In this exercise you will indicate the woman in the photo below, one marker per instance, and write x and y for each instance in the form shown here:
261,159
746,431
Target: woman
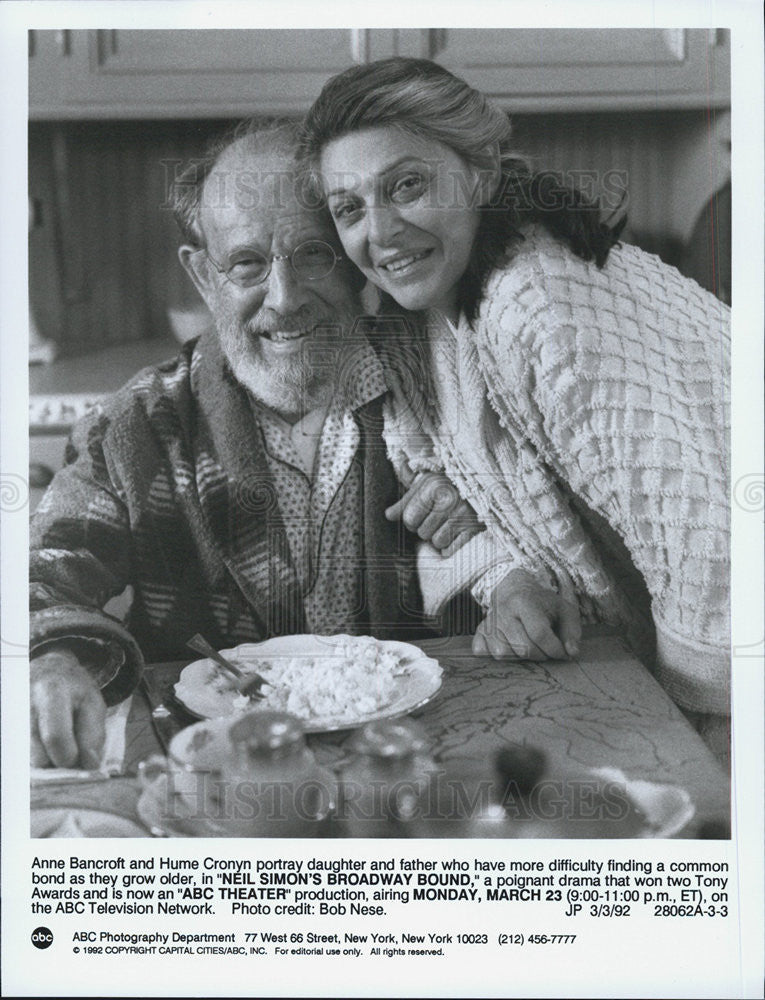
576,388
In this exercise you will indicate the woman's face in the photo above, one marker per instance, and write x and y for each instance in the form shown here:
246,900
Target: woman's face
406,212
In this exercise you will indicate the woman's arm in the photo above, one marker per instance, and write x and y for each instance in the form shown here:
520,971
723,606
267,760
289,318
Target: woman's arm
525,616
617,379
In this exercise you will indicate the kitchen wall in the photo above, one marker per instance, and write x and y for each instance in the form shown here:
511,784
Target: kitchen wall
102,250
102,262
671,161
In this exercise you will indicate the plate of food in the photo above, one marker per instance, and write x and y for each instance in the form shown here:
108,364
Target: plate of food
329,682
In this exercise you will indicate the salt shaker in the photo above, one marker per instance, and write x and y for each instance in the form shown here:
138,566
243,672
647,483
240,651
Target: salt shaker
276,787
384,787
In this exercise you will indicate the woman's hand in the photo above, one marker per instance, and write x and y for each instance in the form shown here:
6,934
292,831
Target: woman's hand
528,622
432,508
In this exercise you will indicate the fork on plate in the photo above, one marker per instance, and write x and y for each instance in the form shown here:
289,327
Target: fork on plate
248,683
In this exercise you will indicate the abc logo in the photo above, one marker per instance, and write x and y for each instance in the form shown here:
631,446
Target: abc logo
42,937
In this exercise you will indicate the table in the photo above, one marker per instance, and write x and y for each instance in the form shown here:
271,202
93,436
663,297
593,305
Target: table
603,709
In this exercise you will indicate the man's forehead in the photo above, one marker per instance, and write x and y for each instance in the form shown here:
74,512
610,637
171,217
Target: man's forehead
240,172
257,189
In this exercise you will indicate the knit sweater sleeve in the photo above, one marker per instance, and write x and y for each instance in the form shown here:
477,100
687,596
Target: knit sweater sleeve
80,556
480,563
618,379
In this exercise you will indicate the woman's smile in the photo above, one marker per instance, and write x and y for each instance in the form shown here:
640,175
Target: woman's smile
403,264
405,213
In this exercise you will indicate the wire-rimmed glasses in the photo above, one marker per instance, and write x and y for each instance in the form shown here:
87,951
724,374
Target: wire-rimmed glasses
311,260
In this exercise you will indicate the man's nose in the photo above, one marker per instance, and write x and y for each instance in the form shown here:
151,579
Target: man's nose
284,291
384,224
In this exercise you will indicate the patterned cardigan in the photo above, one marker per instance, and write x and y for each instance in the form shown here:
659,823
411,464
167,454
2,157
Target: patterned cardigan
585,416
167,489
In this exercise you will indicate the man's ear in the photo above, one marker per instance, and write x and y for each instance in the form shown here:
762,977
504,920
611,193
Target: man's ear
195,265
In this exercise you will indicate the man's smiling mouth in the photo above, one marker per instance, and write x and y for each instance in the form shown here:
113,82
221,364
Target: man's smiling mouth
285,336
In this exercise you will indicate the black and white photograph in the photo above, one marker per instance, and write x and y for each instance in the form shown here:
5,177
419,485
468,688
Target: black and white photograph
381,479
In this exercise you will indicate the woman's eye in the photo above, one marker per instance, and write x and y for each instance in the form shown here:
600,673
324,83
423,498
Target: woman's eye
345,211
408,188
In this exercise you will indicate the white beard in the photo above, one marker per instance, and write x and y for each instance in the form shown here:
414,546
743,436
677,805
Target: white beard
291,386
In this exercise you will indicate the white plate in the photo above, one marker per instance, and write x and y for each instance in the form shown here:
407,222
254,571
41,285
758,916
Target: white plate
71,821
666,808
152,809
416,686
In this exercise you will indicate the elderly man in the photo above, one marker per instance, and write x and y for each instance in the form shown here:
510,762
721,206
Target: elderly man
240,489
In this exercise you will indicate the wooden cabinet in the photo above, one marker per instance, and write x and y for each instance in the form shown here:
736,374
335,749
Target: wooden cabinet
185,73
584,69
227,73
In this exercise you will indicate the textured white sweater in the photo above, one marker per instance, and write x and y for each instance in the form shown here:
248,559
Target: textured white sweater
583,404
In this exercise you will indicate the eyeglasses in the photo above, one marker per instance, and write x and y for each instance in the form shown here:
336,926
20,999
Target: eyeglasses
310,261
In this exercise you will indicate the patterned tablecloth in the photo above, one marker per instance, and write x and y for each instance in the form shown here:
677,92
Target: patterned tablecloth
603,709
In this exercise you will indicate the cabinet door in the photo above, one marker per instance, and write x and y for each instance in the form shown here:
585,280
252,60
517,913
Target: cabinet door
583,69
118,73
187,73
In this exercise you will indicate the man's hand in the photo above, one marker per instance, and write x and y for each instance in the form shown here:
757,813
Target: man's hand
432,508
527,622
68,712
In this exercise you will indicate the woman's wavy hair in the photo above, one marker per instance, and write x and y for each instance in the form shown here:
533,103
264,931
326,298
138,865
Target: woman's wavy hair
423,99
